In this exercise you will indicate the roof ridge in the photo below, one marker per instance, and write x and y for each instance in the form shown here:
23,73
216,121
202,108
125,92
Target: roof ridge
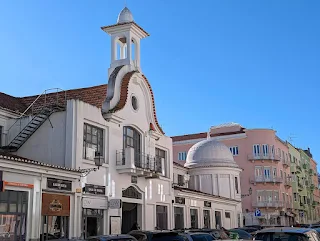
75,89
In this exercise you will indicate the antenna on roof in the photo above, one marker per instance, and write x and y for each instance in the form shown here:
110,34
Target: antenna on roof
291,137
125,3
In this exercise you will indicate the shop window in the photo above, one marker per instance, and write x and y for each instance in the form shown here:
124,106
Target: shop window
92,222
13,214
162,217
227,214
217,215
206,218
92,142
194,218
178,218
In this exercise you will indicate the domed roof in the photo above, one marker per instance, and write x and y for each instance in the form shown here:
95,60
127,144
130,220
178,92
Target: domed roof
210,153
125,16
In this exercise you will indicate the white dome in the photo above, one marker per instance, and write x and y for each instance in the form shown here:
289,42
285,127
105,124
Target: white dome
125,16
210,153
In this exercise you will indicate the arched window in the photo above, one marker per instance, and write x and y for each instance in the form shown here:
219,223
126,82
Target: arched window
132,138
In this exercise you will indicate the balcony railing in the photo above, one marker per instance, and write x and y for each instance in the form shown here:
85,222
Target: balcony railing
266,204
264,157
288,182
129,161
285,163
266,180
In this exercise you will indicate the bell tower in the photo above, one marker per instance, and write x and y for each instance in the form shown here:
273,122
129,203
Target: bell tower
125,41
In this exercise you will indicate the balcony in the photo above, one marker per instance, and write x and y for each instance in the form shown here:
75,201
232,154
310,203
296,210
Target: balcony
299,168
288,182
264,157
273,180
268,204
139,164
285,163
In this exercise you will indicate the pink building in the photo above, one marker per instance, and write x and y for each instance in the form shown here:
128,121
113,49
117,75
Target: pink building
266,179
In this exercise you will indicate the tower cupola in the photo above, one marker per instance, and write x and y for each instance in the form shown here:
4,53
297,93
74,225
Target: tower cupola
125,41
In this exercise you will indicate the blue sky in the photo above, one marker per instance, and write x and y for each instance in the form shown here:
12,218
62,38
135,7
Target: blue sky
209,62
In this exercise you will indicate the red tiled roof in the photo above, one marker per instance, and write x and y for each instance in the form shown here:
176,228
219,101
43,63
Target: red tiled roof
94,95
11,103
203,135
15,158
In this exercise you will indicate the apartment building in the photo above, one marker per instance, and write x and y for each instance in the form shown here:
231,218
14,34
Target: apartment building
266,180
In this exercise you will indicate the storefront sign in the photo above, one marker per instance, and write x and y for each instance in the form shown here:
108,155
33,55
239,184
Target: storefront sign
115,203
180,200
95,189
59,184
207,204
94,203
55,204
17,184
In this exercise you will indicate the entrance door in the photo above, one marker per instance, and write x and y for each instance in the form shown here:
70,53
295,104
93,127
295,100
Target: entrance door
93,222
129,216
217,215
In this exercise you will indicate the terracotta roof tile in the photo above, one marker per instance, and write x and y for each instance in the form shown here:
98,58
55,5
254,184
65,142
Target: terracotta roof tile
15,158
204,135
11,103
124,96
94,95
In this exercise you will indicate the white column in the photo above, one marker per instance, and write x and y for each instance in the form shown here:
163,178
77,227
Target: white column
128,36
137,53
122,51
113,48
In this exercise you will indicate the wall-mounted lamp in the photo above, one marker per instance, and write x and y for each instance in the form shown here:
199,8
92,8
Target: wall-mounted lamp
246,195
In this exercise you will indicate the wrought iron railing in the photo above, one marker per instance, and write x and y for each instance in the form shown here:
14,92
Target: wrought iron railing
141,160
266,156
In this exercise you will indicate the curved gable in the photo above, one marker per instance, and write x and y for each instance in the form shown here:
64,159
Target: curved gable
124,96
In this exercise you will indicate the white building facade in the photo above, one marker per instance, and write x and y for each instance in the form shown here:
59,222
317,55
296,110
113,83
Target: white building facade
116,126
212,189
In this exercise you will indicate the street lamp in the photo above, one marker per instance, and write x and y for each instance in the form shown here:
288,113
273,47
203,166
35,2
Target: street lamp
246,195
98,161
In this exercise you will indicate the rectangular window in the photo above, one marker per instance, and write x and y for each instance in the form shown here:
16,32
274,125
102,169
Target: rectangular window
206,218
272,149
227,214
265,149
295,197
194,218
276,195
274,173
258,171
92,142
234,150
159,155
162,217
180,180
182,156
236,183
178,218
256,150
267,173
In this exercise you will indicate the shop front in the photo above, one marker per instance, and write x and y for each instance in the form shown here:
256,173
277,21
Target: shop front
94,206
38,201
14,210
